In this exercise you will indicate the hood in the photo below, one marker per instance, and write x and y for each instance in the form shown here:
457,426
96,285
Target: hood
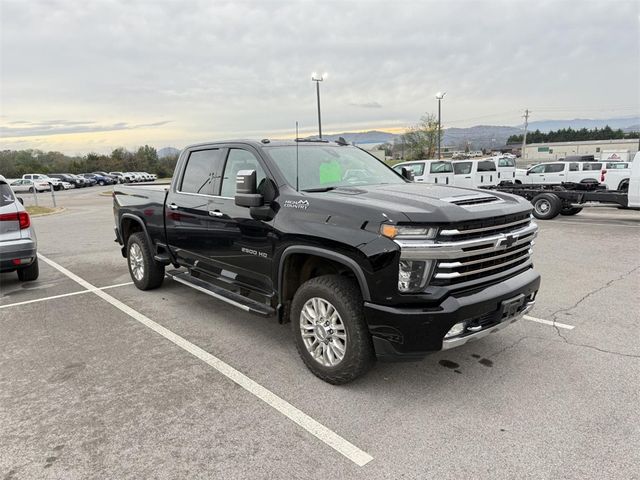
429,203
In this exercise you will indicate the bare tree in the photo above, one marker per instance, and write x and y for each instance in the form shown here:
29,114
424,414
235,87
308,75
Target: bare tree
421,140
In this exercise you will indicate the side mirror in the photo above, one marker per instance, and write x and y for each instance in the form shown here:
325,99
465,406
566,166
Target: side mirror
20,200
246,190
528,172
408,174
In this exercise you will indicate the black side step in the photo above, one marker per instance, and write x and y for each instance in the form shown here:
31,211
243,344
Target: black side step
231,298
162,258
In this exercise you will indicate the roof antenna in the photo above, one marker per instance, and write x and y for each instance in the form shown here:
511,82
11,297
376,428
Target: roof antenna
297,182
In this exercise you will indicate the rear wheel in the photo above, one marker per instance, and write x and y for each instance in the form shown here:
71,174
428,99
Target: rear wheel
546,206
30,273
145,272
570,211
330,332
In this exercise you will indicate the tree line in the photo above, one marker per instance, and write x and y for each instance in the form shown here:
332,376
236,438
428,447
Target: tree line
571,135
15,163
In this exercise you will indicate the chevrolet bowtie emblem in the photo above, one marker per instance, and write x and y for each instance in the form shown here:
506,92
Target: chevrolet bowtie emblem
506,242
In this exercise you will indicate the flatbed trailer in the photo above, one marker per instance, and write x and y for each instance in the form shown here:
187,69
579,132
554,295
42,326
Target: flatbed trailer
549,201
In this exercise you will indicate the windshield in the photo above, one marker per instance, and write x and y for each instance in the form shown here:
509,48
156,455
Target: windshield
326,167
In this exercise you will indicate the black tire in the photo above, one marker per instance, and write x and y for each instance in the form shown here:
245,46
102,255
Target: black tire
101,183
344,295
589,180
624,186
570,211
546,206
30,189
30,273
152,274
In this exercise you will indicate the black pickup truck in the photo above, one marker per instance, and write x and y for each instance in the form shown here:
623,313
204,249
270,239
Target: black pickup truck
361,261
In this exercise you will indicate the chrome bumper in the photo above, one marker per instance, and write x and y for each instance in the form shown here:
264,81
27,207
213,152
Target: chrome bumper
448,344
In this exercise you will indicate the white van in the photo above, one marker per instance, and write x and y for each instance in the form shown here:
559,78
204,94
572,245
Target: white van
560,172
429,171
475,173
506,168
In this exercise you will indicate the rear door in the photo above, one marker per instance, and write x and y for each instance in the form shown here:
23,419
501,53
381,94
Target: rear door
589,172
486,173
188,205
440,172
506,169
462,174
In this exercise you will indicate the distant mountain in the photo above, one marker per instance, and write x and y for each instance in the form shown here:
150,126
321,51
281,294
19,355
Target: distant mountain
576,123
168,152
478,137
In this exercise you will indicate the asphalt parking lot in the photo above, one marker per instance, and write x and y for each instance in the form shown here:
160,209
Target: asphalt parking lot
90,389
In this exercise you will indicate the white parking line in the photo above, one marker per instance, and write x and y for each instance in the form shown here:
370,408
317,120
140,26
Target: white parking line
26,302
596,224
549,322
335,441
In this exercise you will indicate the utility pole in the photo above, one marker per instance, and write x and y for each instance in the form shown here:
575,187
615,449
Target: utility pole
524,137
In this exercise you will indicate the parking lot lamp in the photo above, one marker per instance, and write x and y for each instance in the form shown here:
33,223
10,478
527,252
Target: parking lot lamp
318,78
439,96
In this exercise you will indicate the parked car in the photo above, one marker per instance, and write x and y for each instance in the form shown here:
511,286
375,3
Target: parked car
551,173
126,178
428,171
18,244
473,173
90,180
365,266
25,185
65,177
99,179
54,182
115,179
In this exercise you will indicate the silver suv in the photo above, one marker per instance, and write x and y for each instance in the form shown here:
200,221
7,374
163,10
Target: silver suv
18,244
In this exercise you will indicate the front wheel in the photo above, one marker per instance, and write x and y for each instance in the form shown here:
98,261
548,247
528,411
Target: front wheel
145,272
546,206
101,183
331,335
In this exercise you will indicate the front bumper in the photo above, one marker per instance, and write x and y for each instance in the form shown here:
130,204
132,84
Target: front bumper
411,333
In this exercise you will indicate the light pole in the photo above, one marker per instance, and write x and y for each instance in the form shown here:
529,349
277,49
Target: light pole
439,96
318,78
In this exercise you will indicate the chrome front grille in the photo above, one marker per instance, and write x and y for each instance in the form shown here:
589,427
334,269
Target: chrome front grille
478,252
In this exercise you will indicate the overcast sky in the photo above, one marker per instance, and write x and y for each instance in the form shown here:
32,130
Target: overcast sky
81,76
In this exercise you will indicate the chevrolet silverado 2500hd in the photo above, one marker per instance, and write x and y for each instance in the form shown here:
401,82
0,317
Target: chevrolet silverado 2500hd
361,261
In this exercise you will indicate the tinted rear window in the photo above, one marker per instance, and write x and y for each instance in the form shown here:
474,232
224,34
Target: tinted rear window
6,195
591,166
441,167
202,167
462,168
506,162
486,166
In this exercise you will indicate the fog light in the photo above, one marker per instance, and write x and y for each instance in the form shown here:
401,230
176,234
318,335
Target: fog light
456,330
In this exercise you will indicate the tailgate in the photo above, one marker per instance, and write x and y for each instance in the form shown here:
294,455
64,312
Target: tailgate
9,224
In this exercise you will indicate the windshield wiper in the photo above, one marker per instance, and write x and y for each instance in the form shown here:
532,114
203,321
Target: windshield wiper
319,189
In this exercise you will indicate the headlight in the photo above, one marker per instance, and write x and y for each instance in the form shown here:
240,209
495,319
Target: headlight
413,275
407,231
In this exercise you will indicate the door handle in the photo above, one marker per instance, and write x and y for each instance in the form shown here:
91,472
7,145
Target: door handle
173,206
215,213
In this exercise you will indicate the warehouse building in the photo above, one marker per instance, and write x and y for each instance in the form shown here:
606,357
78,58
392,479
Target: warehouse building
600,149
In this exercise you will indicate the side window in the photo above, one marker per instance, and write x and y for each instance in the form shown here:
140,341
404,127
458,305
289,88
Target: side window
486,166
591,166
574,167
506,162
462,168
239,160
200,172
441,167
537,169
554,168
416,168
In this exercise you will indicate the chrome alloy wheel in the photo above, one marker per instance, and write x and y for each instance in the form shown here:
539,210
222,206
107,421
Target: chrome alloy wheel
323,332
542,206
136,261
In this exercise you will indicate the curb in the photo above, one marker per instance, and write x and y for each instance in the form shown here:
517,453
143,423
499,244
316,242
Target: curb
56,211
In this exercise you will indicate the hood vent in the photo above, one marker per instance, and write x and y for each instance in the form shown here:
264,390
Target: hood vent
474,199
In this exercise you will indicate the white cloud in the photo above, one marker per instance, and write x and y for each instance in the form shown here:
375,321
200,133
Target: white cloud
219,69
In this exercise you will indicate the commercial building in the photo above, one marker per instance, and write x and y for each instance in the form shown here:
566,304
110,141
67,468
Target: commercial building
549,152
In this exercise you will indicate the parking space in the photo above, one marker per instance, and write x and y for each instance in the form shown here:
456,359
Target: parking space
90,389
